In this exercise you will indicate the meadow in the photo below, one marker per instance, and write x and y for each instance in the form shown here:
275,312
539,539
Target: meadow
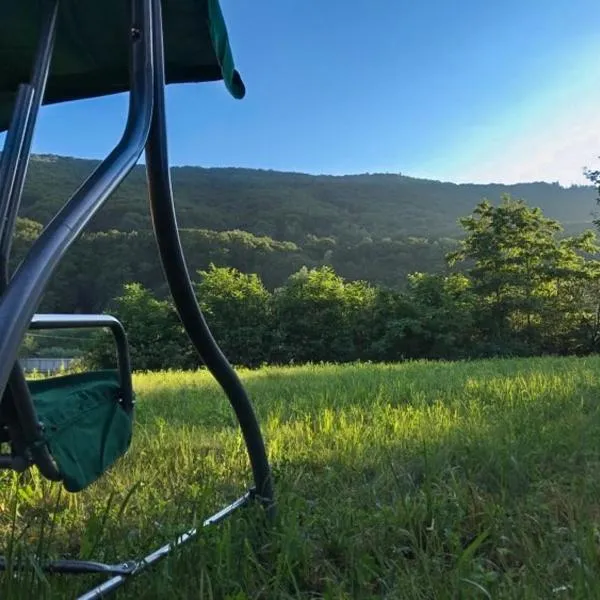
419,480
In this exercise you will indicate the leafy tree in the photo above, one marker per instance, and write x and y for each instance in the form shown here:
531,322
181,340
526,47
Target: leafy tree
290,206
571,310
433,318
528,282
156,337
26,232
378,228
29,346
445,306
237,309
593,175
317,317
394,327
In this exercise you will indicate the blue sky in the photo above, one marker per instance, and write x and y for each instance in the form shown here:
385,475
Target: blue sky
459,90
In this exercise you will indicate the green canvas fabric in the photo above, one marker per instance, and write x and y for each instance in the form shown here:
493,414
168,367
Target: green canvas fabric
86,428
91,54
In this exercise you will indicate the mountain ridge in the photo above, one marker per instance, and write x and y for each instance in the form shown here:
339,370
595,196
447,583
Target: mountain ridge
287,205
48,157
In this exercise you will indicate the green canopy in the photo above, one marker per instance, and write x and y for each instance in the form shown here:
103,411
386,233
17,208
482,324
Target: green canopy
91,54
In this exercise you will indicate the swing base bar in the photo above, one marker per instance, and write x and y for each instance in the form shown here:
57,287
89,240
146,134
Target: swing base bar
118,580
122,571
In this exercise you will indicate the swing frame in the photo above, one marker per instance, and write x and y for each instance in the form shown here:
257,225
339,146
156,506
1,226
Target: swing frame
21,293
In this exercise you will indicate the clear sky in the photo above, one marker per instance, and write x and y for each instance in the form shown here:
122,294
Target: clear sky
459,90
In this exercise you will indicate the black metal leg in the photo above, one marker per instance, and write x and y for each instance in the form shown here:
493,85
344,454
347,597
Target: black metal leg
29,101
13,167
24,292
164,221
9,162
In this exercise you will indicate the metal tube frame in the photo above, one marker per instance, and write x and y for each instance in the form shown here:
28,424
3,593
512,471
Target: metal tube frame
15,176
60,321
13,167
145,129
164,222
122,571
10,160
25,290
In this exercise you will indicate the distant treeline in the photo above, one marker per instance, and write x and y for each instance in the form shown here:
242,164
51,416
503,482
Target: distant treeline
94,272
514,285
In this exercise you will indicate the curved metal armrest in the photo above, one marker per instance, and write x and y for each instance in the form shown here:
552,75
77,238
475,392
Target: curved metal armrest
64,321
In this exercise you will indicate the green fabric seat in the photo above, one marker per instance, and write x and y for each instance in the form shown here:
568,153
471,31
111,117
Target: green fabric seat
91,56
85,426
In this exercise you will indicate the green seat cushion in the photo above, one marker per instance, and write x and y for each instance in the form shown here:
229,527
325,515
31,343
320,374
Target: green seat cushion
85,426
91,54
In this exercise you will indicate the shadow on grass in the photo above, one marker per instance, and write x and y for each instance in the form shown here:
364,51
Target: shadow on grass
458,517
493,483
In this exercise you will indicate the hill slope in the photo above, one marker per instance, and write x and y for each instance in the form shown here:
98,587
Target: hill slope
288,206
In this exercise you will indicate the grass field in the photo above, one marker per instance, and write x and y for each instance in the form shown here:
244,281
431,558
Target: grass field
421,480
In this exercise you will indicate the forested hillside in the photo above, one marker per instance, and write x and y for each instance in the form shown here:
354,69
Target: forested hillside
289,206
377,228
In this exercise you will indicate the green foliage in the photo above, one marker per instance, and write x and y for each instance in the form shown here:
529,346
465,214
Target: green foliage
318,300
377,228
526,289
524,292
100,263
431,319
444,317
26,232
529,283
237,309
155,334
29,346
291,206
593,176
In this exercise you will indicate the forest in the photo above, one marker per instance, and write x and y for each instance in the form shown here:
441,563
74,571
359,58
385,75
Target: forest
378,228
515,289
294,268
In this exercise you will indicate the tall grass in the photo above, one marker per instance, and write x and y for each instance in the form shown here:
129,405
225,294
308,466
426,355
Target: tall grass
422,480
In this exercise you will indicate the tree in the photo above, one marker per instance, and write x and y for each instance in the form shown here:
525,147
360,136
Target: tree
593,175
237,309
572,307
26,232
155,334
528,282
317,316
444,311
433,318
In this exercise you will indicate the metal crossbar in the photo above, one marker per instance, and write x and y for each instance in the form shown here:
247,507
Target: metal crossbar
121,572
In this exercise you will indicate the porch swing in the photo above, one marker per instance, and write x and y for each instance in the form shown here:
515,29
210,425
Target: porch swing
74,427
